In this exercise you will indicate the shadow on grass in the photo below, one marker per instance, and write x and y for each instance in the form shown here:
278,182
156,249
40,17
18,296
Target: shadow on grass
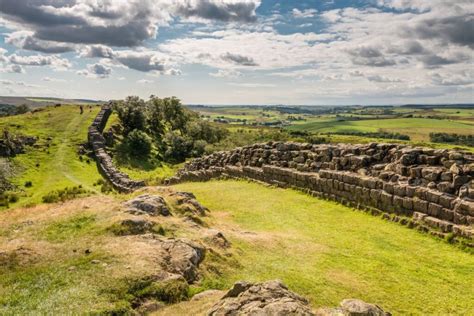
125,158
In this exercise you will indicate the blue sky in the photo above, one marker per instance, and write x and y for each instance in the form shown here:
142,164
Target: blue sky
240,51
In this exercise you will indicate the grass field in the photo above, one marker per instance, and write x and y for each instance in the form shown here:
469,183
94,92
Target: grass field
328,252
55,165
322,250
417,128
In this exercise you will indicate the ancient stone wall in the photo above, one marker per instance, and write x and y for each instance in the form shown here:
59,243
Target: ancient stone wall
433,187
119,180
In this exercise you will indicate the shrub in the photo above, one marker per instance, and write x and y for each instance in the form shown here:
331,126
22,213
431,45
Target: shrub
13,198
139,143
64,194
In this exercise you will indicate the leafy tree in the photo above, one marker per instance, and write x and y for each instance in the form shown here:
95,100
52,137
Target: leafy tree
139,143
22,109
132,114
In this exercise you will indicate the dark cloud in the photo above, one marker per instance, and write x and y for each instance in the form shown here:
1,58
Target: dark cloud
378,78
239,59
112,23
369,56
455,29
144,62
16,69
96,71
33,12
28,42
226,12
100,70
408,48
434,61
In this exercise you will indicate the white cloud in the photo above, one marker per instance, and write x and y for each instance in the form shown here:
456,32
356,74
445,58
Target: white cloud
303,14
96,71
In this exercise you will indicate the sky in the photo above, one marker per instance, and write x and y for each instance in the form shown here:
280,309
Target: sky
306,52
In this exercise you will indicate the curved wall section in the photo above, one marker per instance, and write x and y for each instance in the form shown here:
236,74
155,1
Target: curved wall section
434,187
120,181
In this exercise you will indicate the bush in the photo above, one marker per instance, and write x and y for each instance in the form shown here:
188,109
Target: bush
64,194
139,143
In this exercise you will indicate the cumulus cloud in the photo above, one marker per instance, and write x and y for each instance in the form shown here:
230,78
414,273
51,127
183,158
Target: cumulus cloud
226,11
97,51
96,71
53,26
369,56
239,59
39,60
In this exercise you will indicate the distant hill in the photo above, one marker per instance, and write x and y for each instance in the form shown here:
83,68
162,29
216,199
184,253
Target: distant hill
34,102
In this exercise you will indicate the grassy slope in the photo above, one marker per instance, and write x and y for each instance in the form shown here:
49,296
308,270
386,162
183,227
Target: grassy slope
60,167
328,252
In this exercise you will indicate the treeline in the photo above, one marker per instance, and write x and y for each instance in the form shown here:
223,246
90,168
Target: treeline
164,127
9,109
463,140
384,135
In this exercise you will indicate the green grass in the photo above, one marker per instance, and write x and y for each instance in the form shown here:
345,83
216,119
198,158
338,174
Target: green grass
69,228
328,252
55,164
417,128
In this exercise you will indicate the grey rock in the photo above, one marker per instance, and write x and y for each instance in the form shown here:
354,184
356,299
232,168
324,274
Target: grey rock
268,298
153,205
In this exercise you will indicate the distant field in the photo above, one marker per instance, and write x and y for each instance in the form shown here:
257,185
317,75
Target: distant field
417,128
57,165
328,252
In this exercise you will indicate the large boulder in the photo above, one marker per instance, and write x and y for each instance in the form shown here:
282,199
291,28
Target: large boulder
268,298
153,205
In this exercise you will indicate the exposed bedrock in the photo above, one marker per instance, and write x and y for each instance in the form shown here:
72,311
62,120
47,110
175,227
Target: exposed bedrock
274,298
119,180
434,186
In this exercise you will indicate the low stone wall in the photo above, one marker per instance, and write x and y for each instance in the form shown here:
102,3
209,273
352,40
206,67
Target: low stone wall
434,187
119,180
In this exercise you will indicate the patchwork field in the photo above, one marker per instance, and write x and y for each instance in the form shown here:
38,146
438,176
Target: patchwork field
417,128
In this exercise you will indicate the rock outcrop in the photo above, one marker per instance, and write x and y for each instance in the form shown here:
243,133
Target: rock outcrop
268,298
353,307
152,205
434,187
120,181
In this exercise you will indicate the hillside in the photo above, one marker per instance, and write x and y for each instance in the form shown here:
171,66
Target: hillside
151,251
321,250
53,163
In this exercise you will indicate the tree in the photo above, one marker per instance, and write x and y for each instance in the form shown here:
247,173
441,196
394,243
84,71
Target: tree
139,142
132,114
22,109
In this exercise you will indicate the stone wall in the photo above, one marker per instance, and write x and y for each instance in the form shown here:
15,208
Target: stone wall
433,187
119,180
